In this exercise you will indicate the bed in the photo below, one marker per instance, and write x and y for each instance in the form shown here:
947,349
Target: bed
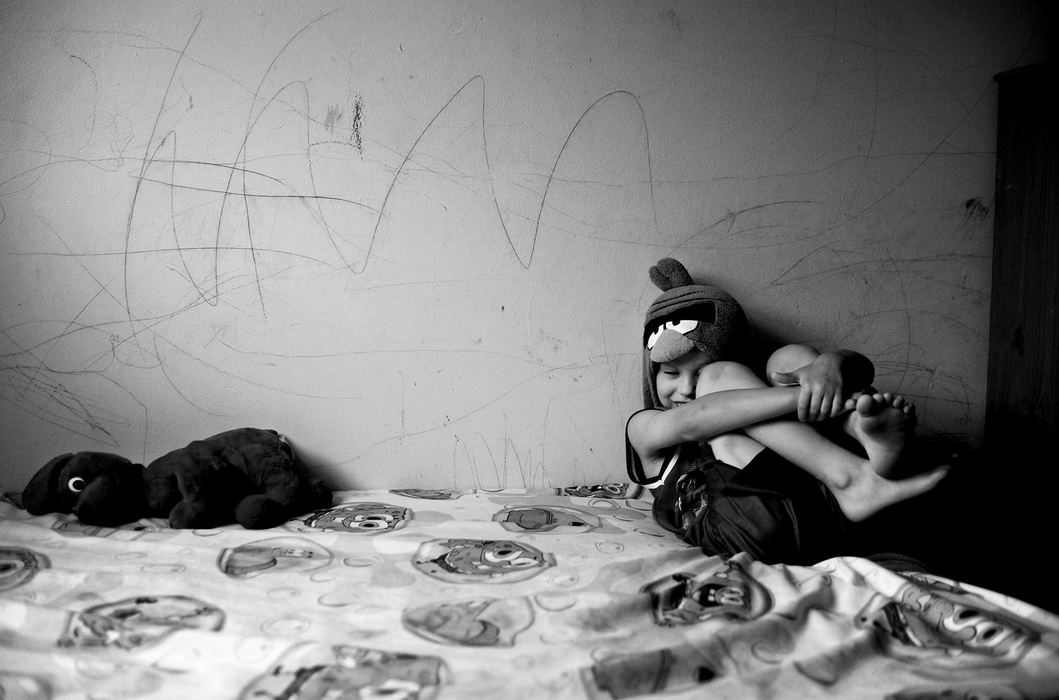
570,593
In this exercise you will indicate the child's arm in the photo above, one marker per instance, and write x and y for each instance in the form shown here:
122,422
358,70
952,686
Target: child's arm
826,379
653,432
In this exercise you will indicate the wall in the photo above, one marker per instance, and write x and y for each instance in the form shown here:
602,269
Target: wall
415,236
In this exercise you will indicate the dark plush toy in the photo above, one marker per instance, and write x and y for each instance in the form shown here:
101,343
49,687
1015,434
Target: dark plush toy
248,475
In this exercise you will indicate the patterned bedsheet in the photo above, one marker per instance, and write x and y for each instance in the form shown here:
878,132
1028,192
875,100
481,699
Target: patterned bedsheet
570,593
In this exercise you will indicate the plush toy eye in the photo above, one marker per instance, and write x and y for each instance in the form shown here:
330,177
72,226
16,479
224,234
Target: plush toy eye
76,484
682,327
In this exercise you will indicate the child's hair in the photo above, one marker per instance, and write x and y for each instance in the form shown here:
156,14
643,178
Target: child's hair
685,317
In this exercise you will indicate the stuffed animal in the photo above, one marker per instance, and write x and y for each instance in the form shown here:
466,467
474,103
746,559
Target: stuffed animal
248,475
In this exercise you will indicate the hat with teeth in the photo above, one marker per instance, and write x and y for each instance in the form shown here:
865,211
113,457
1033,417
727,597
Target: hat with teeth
687,316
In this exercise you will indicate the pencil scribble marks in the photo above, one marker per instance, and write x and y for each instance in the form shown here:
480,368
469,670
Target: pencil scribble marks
95,91
54,398
144,166
238,233
235,227
334,114
525,259
976,208
237,221
358,119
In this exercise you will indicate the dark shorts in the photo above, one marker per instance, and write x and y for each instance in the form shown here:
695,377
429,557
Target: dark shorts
770,509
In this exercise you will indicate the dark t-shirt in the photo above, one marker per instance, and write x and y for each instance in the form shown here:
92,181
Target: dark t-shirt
770,509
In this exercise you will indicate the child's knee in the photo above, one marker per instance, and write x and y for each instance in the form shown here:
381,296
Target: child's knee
724,375
789,358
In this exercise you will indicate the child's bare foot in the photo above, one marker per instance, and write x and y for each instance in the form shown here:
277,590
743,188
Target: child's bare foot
869,493
882,424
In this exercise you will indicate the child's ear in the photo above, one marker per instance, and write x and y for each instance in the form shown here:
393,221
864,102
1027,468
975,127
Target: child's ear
41,493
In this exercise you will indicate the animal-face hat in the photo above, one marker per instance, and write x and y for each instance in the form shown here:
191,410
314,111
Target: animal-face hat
687,316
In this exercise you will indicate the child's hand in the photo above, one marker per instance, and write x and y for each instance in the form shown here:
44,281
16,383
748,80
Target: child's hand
821,395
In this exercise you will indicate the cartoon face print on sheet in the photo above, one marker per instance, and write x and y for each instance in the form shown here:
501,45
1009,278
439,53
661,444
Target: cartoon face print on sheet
363,517
273,555
686,599
617,491
654,671
476,622
18,566
25,686
317,671
480,561
137,622
949,626
552,519
429,494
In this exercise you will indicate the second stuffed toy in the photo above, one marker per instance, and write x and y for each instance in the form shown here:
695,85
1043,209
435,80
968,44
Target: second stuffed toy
248,476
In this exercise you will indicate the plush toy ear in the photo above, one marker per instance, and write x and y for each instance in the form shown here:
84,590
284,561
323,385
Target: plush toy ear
98,487
42,494
670,273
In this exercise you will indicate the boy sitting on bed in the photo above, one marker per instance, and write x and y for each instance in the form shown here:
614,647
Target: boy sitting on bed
734,463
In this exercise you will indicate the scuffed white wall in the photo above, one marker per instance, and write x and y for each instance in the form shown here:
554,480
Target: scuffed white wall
415,236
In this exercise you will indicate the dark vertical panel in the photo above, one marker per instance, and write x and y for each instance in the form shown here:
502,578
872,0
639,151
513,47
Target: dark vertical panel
1016,498
1024,340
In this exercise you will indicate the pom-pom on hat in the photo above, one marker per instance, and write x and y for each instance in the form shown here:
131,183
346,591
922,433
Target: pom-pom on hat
685,317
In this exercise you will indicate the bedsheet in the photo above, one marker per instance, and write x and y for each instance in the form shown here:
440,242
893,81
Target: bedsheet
570,593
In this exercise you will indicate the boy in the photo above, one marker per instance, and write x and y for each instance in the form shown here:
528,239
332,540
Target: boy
735,464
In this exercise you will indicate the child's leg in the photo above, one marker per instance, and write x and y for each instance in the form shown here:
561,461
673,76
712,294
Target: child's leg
789,358
858,488
736,449
881,423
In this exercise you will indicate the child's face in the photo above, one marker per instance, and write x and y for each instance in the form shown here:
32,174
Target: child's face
676,380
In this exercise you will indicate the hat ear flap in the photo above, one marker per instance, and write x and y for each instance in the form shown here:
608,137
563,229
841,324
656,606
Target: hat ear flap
670,273
41,493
